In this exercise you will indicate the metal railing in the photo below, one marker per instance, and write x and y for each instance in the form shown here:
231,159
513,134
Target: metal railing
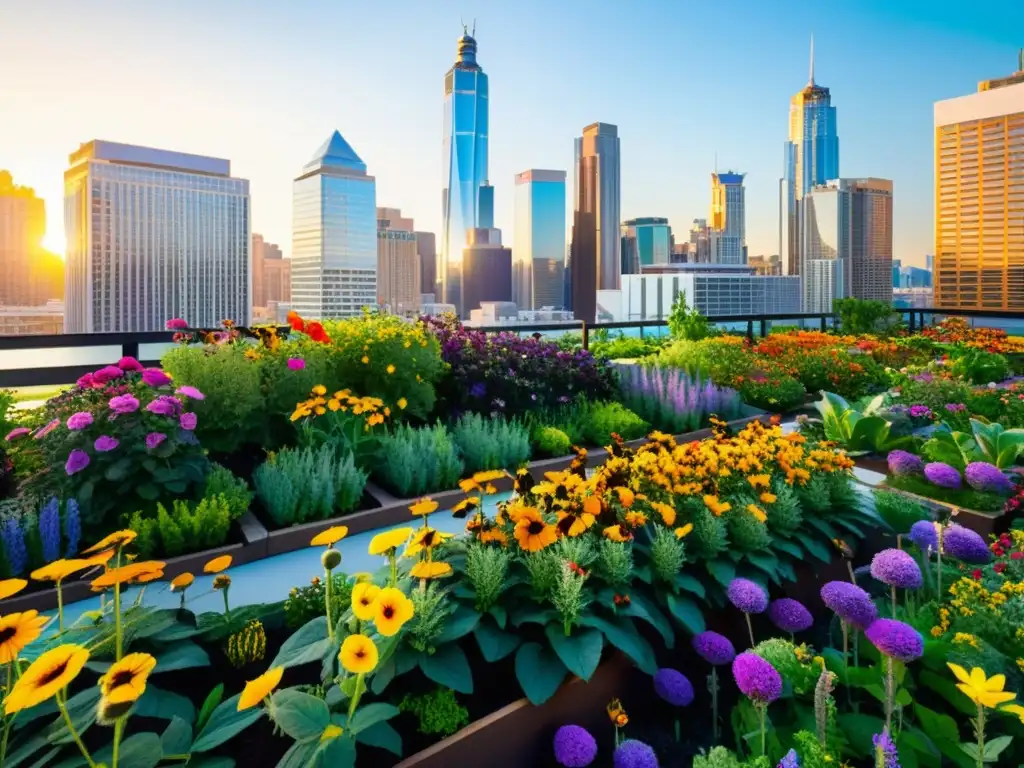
107,347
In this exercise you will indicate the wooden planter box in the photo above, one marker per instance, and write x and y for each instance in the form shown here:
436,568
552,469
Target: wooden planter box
521,734
984,523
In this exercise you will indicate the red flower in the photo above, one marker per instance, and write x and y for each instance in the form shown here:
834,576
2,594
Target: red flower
317,333
622,600
976,574
1017,555
999,567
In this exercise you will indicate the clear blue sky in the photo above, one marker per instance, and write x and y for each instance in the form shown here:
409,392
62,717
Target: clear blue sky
265,82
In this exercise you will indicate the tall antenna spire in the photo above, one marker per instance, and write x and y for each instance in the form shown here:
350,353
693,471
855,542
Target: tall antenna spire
811,80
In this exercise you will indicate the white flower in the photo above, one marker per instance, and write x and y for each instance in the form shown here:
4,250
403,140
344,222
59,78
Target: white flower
991,385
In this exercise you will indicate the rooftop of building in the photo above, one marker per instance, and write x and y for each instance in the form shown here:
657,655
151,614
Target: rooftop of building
148,157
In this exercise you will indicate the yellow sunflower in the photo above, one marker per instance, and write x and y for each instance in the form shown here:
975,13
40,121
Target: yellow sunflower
358,654
684,531
625,495
125,681
489,476
257,690
18,630
532,533
666,511
59,570
768,498
572,524
391,610
423,507
617,533
757,512
10,587
364,595
116,540
45,676
469,484
466,506
182,581
386,542
424,540
330,537
128,574
218,564
430,570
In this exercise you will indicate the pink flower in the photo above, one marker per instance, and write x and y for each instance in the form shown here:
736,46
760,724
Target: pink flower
44,431
17,432
154,377
176,324
188,421
165,405
129,364
124,404
153,439
296,363
107,373
105,443
80,420
77,461
190,392
86,382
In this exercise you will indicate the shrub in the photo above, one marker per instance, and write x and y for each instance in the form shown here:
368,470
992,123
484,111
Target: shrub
777,394
413,461
604,419
438,711
550,441
866,316
306,603
183,529
625,347
296,485
491,443
980,367
899,511
671,400
688,323
234,490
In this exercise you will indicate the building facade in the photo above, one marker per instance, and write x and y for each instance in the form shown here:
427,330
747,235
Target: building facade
811,159
728,236
398,263
334,234
847,242
486,269
539,256
596,244
152,235
426,247
979,198
271,275
467,199
32,276
645,241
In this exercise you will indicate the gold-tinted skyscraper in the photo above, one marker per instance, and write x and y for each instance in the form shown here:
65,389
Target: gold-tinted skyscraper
979,197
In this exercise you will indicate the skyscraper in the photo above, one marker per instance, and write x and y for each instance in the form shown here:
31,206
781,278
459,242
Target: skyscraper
847,242
645,242
271,274
31,275
398,263
811,158
728,218
486,269
596,244
539,257
426,247
979,197
467,199
334,234
152,235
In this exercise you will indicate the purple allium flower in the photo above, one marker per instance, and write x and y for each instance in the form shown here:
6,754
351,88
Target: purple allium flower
634,754
756,678
924,535
107,373
105,443
164,406
44,431
154,377
896,639
956,407
77,461
790,615
965,544
124,404
153,439
17,432
49,530
987,478
747,595
72,527
79,421
574,746
896,568
942,475
190,392
902,463
296,363
791,760
673,686
13,538
128,363
714,648
188,421
176,324
886,753
850,603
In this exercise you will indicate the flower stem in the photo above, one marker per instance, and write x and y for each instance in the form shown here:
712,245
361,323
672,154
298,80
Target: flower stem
713,685
356,695
227,608
750,629
762,711
849,568
60,608
394,567
893,601
890,680
938,569
327,601
118,730
61,705
981,736
118,631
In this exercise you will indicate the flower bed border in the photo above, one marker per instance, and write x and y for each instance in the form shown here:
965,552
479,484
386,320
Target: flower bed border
983,523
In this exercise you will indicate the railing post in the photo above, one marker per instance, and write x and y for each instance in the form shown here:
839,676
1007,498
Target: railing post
764,328
586,335
750,331
824,323
130,349
911,322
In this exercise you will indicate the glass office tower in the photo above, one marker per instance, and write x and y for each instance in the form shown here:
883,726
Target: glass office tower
539,255
645,242
467,199
728,218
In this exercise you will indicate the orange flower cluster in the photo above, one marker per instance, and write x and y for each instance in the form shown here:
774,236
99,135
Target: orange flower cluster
954,330
312,328
778,344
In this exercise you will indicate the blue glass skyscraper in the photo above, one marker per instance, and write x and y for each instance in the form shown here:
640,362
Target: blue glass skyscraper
811,159
467,199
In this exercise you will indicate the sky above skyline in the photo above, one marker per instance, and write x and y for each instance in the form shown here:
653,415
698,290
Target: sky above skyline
264,83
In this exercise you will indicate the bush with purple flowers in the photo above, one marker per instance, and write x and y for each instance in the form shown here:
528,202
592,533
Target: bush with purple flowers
943,475
672,400
987,478
965,544
903,463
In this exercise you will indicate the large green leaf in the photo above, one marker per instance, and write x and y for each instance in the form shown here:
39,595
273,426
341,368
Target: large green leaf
813,546
210,703
539,672
622,634
859,730
723,572
225,722
156,702
687,612
944,733
458,625
141,750
336,753
689,583
181,655
580,651
369,715
300,715
309,643
641,607
495,644
448,667
383,736
177,737
299,755
947,689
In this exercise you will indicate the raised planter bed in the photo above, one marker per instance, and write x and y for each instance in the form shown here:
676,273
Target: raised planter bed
984,523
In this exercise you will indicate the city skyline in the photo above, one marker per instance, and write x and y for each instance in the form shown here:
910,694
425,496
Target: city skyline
883,117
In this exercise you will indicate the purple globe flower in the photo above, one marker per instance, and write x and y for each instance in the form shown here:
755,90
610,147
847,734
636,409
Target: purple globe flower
756,678
987,478
790,760
896,639
850,603
124,404
896,568
79,421
965,544
674,687
188,421
190,392
943,476
790,615
714,648
574,746
924,535
77,461
153,439
634,754
902,464
105,443
748,596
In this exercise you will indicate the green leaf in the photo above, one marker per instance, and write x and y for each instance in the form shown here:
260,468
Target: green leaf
766,561
947,689
533,615
148,491
813,546
119,470
859,730
458,625
336,753
369,715
165,705
539,672
687,612
212,762
182,655
994,747
640,607
689,583
383,736
787,546
177,737
495,644
309,643
826,530
142,750
213,698
300,715
723,572
448,667
917,740
622,634
383,676
225,722
500,615
580,651
299,755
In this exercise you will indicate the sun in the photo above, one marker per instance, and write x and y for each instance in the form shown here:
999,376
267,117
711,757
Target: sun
53,241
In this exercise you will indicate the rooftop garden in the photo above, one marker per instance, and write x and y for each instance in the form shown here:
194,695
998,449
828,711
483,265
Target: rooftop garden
477,525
